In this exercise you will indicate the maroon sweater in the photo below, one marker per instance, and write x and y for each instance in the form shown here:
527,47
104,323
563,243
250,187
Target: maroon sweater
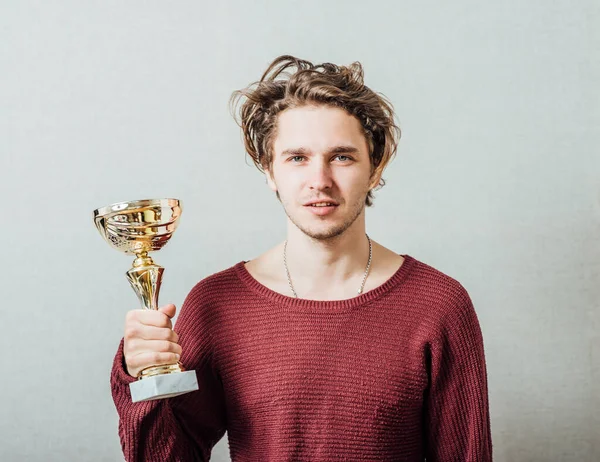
395,374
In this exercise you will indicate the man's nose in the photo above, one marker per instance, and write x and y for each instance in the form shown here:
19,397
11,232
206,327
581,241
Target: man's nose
320,176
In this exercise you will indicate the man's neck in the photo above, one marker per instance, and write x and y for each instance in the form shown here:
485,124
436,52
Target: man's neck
333,273
324,266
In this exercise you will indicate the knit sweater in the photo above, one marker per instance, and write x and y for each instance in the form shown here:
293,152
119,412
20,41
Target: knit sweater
395,374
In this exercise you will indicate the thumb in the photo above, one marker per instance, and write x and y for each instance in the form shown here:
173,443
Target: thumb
169,310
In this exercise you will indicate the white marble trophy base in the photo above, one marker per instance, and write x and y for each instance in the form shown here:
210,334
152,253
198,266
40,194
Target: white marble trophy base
163,386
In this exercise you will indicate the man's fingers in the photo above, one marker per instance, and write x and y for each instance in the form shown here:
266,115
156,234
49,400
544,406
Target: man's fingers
154,318
144,332
136,347
169,310
150,339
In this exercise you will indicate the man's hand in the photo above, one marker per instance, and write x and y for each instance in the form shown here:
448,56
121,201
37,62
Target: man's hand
149,339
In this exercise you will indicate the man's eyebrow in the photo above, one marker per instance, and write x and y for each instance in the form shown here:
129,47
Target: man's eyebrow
342,149
294,152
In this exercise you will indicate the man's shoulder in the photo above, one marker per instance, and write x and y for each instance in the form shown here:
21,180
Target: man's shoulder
439,289
437,278
220,281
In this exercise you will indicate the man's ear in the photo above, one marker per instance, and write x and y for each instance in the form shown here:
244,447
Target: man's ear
270,180
375,179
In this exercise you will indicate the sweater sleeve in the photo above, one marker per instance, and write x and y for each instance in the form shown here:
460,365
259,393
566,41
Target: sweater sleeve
181,428
457,420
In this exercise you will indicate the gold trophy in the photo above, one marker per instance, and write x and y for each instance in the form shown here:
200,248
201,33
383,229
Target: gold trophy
137,228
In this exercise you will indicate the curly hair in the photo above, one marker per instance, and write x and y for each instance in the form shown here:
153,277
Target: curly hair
323,84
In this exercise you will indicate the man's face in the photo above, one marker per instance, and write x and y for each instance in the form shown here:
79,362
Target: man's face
321,169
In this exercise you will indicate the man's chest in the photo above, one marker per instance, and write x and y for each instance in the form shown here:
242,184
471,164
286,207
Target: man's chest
324,370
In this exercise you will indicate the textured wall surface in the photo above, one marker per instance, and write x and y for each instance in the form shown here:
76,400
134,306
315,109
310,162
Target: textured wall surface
496,183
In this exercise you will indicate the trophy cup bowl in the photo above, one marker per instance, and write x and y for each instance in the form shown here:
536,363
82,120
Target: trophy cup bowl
138,228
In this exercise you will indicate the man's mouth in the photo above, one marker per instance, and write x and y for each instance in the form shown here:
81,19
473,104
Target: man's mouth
322,208
323,204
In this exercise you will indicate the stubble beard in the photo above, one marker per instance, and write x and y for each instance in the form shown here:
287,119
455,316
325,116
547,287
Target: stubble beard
335,230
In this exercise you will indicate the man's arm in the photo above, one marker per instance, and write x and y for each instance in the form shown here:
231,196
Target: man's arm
457,421
182,428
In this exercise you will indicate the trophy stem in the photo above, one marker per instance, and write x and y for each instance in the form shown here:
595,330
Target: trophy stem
145,278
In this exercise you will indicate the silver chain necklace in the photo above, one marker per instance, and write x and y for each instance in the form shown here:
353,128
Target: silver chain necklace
362,286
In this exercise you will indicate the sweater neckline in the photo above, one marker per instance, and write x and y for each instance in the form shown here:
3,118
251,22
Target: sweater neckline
325,306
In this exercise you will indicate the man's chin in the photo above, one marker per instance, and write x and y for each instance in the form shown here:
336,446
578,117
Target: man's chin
324,233
320,228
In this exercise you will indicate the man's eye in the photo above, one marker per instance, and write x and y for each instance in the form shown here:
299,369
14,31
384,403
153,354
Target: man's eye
343,158
296,158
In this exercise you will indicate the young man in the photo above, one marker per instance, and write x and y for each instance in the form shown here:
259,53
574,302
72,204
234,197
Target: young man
328,346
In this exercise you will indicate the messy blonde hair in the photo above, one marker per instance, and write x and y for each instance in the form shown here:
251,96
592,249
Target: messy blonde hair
323,84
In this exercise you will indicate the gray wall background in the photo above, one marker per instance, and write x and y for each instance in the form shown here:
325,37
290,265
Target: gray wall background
496,183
